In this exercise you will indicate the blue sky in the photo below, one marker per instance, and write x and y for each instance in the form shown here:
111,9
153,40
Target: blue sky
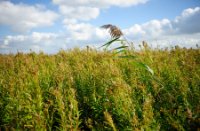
51,25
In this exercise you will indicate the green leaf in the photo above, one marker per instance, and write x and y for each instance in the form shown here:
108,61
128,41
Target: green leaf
120,51
121,47
109,42
144,66
120,40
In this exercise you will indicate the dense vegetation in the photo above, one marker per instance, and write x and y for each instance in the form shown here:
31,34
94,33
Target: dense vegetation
95,90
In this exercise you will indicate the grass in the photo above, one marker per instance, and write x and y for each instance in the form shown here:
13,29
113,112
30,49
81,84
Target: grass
94,90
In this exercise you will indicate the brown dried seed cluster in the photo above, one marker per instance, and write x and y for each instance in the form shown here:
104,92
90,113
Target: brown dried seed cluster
115,32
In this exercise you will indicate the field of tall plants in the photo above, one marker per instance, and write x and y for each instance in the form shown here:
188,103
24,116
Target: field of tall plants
97,90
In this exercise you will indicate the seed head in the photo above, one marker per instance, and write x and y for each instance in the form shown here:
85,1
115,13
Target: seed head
115,32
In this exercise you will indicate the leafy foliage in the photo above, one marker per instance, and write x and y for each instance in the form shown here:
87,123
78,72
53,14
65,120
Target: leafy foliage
99,90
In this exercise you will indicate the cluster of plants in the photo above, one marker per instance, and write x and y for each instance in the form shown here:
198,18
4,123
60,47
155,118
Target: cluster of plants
95,90
118,89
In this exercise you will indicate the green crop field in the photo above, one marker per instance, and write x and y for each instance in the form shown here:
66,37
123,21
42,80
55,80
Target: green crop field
96,90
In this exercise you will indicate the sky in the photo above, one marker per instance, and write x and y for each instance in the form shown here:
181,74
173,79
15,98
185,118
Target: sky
52,25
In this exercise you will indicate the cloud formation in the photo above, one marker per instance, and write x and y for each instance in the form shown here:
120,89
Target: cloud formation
99,3
151,29
85,32
22,18
90,9
186,23
53,42
36,42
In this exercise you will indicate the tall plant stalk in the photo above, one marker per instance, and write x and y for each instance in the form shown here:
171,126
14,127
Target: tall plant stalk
122,50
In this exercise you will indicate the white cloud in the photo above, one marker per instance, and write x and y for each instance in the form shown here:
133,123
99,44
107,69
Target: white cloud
99,3
151,29
79,13
187,23
85,32
23,17
35,37
77,35
123,3
35,41
40,37
53,42
90,9
80,31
